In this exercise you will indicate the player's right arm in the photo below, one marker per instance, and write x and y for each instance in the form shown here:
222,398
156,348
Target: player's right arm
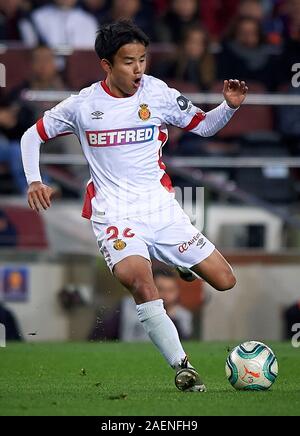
58,121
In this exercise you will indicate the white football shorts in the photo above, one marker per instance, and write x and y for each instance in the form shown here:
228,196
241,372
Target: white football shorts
167,236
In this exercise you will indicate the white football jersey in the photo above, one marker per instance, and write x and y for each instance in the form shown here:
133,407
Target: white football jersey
122,140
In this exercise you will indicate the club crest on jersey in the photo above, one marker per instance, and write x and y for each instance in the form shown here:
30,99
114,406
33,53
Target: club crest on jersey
119,244
144,112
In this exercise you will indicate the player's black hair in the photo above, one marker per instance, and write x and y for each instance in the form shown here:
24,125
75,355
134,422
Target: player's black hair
111,37
164,272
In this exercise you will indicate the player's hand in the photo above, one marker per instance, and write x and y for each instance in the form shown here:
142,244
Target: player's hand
234,92
38,196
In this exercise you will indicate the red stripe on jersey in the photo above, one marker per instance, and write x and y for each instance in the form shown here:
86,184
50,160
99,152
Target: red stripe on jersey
162,166
162,136
166,182
41,130
200,116
87,205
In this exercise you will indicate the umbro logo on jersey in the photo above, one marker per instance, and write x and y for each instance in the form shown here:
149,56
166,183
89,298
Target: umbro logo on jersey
97,115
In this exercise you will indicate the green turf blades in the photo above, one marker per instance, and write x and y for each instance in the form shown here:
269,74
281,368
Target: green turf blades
45,379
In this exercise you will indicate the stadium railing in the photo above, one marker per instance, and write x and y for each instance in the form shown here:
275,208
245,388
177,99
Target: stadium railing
180,164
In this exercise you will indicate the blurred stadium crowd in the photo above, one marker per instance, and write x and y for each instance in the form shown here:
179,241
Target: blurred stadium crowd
196,44
48,45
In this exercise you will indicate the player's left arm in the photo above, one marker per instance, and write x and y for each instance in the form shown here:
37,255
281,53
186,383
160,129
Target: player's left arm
58,121
180,112
234,93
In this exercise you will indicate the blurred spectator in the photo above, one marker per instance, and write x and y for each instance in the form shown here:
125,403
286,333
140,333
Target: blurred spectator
216,15
291,49
134,10
246,56
251,9
71,297
123,323
180,17
8,232
14,120
17,115
12,329
264,11
160,6
291,317
97,8
44,72
289,123
13,23
194,63
292,8
63,24
44,76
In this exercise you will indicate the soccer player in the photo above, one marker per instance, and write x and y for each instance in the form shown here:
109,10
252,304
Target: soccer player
121,124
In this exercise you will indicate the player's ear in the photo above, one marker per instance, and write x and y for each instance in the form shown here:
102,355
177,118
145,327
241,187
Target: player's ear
106,65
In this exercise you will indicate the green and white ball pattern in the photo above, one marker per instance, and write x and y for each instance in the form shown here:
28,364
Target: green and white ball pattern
251,366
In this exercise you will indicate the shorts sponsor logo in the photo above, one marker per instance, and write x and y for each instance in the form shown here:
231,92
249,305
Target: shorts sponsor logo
144,112
186,245
183,247
110,138
119,244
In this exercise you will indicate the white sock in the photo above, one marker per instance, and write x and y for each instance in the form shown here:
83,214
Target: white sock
161,331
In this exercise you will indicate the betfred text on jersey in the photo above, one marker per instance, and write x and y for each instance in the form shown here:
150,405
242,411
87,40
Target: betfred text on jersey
108,138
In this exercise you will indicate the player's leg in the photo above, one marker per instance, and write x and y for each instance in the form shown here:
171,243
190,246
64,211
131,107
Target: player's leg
135,273
216,271
130,263
185,246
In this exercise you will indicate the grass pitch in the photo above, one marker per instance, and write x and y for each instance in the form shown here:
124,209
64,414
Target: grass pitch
109,379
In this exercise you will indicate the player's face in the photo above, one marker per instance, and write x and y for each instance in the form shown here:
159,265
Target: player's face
128,68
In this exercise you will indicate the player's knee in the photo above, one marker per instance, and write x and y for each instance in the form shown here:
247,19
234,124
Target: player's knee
226,280
144,291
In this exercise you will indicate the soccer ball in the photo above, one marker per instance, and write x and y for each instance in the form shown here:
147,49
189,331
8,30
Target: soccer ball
251,366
